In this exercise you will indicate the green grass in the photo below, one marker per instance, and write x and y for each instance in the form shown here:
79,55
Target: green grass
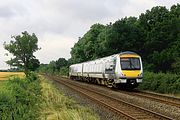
33,99
56,106
3,84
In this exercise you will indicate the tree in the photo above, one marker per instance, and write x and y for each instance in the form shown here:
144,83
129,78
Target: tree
22,48
154,35
34,64
161,28
125,35
86,48
51,68
61,62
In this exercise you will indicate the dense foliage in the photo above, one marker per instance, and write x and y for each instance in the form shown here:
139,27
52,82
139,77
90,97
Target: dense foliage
161,82
58,67
22,48
20,100
155,35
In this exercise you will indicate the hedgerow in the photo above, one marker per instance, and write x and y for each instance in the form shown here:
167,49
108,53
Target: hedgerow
20,100
161,82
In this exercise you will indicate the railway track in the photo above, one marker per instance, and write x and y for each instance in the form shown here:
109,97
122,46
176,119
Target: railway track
173,101
128,110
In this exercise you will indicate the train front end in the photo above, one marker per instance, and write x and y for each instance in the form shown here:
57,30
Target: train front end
130,70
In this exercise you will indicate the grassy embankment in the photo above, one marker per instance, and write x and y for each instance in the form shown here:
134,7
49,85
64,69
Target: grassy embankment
31,98
161,83
57,106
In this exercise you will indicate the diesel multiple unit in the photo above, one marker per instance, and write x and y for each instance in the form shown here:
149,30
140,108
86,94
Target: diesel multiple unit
123,69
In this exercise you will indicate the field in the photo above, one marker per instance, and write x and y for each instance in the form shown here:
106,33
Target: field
7,75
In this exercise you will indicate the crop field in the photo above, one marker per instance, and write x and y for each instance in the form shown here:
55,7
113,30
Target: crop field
7,75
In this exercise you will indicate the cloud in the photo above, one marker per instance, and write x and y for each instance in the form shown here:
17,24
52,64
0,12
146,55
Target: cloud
6,13
3,64
54,46
136,7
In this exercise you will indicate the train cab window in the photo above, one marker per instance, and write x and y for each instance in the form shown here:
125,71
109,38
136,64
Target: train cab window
130,64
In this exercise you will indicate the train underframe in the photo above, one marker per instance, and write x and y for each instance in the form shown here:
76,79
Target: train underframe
129,84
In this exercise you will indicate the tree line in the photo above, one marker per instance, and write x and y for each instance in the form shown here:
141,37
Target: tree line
59,66
155,35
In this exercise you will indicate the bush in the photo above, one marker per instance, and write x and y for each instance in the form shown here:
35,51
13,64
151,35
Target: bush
20,101
161,82
64,71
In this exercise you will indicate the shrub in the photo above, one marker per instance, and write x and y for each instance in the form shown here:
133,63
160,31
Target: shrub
20,101
161,82
64,71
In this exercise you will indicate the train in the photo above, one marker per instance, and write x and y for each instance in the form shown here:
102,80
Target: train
122,70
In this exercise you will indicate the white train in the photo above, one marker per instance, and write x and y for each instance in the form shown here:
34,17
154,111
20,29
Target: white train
123,69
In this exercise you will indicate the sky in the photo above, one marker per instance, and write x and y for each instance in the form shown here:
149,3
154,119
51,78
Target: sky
59,23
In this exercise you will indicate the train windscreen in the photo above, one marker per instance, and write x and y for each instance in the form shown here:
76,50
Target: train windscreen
130,64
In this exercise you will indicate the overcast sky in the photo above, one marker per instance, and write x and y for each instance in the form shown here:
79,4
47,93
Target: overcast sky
59,23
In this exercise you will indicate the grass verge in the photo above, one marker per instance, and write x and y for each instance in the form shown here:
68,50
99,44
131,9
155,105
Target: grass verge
56,106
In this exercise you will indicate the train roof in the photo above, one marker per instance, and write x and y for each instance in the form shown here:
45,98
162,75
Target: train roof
121,53
128,52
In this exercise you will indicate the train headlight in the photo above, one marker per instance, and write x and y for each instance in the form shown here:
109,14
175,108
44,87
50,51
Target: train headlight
140,75
123,75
